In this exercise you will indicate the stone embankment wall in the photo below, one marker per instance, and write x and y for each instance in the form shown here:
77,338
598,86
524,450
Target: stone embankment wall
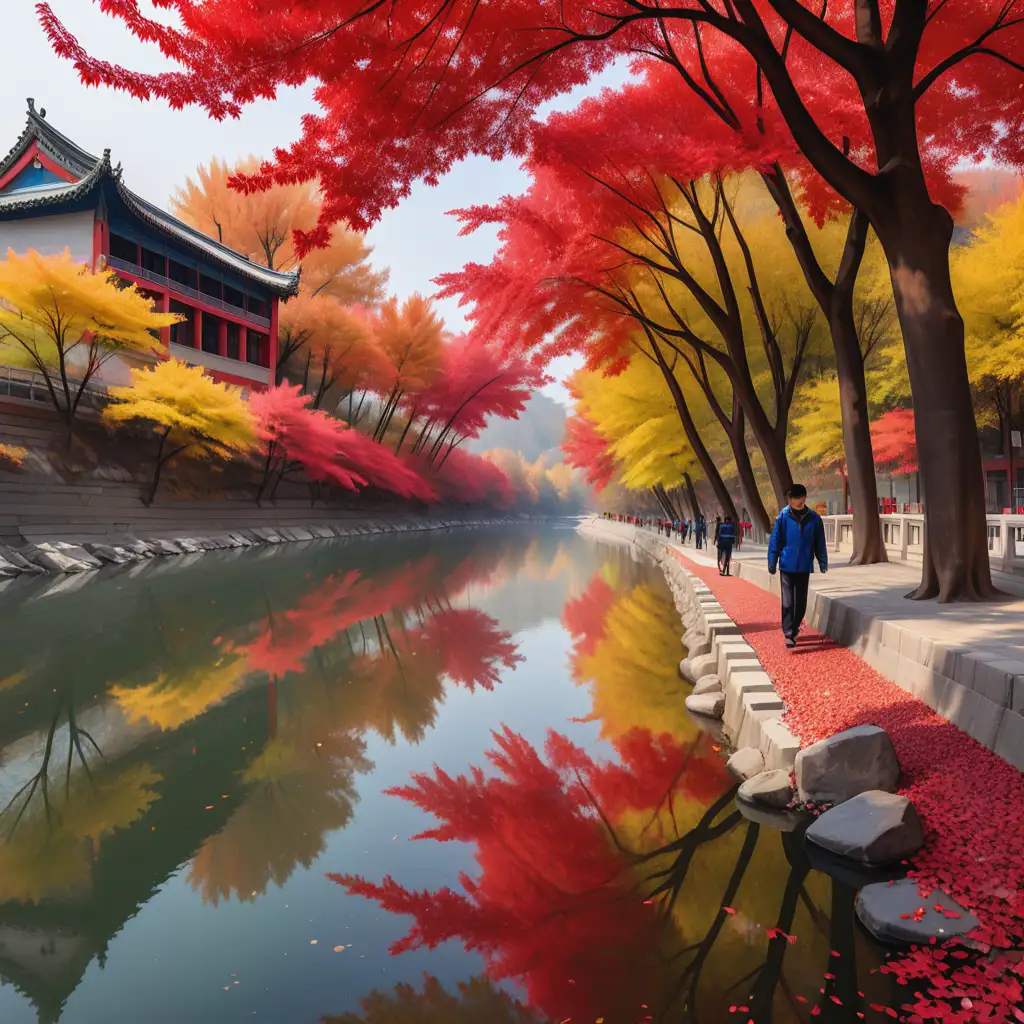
83,560
752,712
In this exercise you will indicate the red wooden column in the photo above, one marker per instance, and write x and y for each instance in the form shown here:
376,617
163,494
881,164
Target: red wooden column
222,339
243,340
275,302
197,328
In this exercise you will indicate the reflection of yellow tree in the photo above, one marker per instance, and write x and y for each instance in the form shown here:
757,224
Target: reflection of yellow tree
174,698
632,671
478,1002
298,789
49,853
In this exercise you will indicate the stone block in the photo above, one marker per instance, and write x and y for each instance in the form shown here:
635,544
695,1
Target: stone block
739,684
887,911
20,562
755,708
978,717
722,629
692,669
909,674
778,745
709,705
300,533
910,645
708,684
745,763
1001,680
730,652
741,665
891,635
884,660
844,765
770,789
873,828
1009,743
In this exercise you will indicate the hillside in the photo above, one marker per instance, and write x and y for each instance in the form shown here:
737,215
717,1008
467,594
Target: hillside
539,429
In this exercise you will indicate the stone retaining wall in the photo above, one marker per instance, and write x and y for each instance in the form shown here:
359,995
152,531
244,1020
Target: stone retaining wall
980,692
753,709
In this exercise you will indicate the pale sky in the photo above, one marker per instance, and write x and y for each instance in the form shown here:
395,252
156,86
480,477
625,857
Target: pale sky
159,147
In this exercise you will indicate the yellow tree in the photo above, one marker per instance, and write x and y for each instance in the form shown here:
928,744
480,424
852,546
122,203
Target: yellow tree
411,335
262,226
336,348
191,414
988,278
61,319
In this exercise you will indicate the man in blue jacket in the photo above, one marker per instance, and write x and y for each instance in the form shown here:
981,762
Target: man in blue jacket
798,538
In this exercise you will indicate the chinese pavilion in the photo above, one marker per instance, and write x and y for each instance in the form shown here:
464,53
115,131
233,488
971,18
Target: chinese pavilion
56,196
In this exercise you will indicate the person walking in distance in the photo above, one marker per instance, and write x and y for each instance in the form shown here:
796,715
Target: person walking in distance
725,535
797,540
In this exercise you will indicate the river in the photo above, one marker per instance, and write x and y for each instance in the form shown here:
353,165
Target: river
213,770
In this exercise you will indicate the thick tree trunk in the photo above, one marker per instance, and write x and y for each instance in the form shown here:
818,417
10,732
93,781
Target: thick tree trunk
745,471
916,238
868,546
772,447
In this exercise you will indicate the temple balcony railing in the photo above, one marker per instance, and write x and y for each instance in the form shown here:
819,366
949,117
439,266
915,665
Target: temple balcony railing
184,290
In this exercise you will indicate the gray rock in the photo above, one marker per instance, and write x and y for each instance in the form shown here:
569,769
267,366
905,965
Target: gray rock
872,828
698,648
708,684
301,534
710,705
323,532
768,789
851,762
189,545
692,669
110,555
241,540
164,547
75,551
783,819
887,909
8,570
226,541
267,534
19,561
52,561
140,547
746,763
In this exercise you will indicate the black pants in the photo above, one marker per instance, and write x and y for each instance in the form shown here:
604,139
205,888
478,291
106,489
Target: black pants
724,555
794,600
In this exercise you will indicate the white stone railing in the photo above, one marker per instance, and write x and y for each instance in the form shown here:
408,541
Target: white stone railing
904,538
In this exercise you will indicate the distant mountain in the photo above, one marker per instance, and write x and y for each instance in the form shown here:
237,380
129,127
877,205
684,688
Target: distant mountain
539,429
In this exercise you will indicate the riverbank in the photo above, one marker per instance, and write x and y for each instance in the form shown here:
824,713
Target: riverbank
968,798
83,559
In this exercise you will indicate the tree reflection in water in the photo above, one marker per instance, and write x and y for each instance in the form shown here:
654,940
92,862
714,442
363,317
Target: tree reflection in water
630,888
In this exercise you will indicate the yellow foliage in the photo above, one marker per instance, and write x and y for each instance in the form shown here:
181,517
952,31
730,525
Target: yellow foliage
12,454
171,700
261,225
411,335
988,278
204,416
57,315
45,856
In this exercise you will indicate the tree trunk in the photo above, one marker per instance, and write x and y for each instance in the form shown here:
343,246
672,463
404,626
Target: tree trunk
745,471
693,437
691,495
916,237
868,546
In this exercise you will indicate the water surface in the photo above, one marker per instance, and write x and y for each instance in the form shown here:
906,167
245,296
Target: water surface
190,748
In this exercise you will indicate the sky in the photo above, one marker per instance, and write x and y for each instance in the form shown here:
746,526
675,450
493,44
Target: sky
159,147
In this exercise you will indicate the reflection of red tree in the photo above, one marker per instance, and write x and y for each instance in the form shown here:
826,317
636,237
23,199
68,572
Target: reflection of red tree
584,616
472,648
553,904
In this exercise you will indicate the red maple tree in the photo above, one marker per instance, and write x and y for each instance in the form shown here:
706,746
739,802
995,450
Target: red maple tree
586,450
327,449
867,90
895,441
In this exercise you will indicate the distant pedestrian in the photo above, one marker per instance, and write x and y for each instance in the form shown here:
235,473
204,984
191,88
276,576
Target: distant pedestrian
798,538
725,537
